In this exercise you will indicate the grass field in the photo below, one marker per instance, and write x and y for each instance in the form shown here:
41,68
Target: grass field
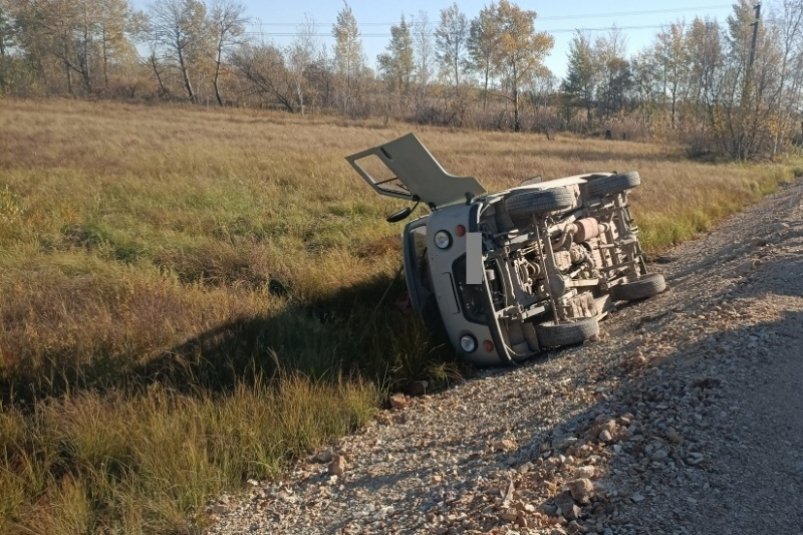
192,297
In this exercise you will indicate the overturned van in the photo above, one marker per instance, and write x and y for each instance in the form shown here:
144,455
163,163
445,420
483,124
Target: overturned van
513,273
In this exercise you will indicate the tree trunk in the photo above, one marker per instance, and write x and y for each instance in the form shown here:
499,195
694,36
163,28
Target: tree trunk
674,105
217,88
516,120
86,76
300,96
217,73
86,72
457,79
69,77
162,88
105,60
284,101
2,66
185,75
485,90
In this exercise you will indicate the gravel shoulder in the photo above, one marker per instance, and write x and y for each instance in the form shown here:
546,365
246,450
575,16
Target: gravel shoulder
685,417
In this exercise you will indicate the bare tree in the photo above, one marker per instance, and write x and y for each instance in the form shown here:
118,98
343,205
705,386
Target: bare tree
704,49
319,78
179,28
157,68
482,44
300,57
264,69
741,93
450,44
616,77
672,57
228,23
348,51
422,45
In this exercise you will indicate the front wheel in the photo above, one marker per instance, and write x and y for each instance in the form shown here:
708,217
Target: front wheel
551,334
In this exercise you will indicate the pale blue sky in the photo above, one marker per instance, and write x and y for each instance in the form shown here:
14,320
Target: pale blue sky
639,20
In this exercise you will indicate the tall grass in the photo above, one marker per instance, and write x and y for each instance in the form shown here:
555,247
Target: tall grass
192,297
148,461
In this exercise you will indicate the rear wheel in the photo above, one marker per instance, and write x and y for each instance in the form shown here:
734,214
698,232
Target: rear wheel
613,184
645,286
551,334
522,206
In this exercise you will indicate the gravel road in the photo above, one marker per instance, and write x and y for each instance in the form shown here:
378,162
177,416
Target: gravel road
685,417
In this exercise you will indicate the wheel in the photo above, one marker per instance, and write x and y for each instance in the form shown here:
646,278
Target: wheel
551,334
521,206
645,286
612,184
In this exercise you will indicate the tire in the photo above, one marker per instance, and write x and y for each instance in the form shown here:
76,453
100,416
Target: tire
645,286
522,206
613,184
551,334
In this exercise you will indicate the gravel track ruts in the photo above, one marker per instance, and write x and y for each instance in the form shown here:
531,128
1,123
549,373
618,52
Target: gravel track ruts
685,417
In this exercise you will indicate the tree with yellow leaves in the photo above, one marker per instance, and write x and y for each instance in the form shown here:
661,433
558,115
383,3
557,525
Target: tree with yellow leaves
520,50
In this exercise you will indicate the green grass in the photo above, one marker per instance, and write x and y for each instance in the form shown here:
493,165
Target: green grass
148,461
192,298
699,202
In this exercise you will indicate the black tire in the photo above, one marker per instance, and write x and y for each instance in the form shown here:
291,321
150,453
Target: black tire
503,221
551,334
522,206
645,286
613,184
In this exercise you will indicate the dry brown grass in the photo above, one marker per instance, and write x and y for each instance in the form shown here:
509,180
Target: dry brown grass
189,296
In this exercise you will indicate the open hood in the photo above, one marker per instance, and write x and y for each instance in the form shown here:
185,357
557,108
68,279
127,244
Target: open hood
416,174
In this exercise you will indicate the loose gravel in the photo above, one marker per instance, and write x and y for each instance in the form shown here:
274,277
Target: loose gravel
685,417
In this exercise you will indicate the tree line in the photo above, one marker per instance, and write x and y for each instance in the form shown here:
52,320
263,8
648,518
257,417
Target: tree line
734,88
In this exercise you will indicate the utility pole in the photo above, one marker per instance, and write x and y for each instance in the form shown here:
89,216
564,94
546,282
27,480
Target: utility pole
757,8
745,130
748,78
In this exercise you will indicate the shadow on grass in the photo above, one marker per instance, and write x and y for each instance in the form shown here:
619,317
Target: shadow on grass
363,330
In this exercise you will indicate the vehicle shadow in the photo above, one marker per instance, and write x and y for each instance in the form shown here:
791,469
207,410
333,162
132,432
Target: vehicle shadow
364,328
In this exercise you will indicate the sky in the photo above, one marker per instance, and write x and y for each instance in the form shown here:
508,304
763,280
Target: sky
639,20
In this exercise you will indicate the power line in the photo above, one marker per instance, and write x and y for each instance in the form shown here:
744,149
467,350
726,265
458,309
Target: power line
386,35
628,13
552,17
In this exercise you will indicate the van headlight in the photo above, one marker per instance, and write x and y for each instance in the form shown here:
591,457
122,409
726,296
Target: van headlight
468,343
443,240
